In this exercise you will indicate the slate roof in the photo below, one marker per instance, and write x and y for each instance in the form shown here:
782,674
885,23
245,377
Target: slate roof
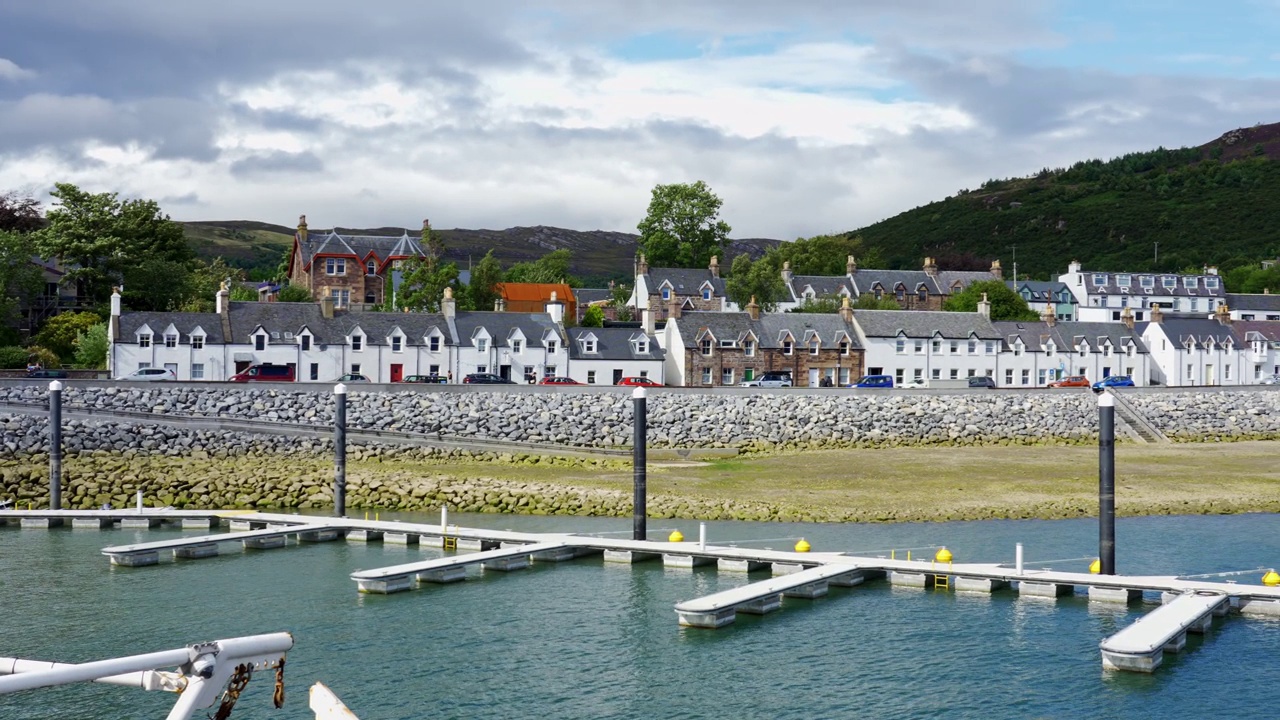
183,322
1111,285
501,326
1253,301
684,281
1268,329
1068,335
1041,290
947,278
381,247
1201,330
823,286
864,281
769,330
924,324
246,317
586,296
614,343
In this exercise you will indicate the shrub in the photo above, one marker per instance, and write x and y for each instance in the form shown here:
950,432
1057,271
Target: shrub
13,357
293,293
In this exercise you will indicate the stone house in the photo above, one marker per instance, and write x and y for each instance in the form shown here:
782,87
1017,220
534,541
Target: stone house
691,289
351,269
924,289
710,349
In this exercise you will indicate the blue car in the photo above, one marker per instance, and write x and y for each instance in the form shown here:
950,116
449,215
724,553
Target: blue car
874,381
1113,381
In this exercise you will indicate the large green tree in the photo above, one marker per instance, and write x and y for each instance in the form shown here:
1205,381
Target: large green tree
1005,303
824,254
683,227
19,214
486,282
105,241
550,268
91,347
20,278
61,332
424,282
759,279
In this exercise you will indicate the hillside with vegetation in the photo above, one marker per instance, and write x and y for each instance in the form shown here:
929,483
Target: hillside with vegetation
1157,211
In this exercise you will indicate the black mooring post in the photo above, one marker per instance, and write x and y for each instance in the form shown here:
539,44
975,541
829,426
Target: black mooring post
55,445
1106,484
639,531
340,450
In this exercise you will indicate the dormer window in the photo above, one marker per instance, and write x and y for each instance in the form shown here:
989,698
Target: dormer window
397,344
1189,282
788,347
588,345
901,294
517,346
706,346
144,341
1211,283
1169,283
1147,281
706,293
749,348
879,294
973,346
357,343
666,293
371,268
922,295
1122,281
551,346
1106,351
197,342
433,343
304,342
844,347
1084,350
170,341
482,344
814,347
642,346
260,342
1099,279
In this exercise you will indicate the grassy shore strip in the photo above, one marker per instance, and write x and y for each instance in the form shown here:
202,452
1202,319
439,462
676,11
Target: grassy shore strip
887,485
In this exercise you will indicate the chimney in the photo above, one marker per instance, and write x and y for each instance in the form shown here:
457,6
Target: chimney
753,309
1211,270
997,272
1157,315
1126,317
555,309
850,266
302,229
448,306
846,309
786,273
114,328
642,267
1266,291
1049,317
673,308
1223,314
984,306
1074,267
930,267
714,267
497,304
326,307
646,317
223,303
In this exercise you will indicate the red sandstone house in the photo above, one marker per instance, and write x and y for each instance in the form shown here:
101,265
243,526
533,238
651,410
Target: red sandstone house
686,289
350,269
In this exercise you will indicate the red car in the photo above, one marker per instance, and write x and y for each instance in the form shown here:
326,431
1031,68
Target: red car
557,380
1071,381
639,382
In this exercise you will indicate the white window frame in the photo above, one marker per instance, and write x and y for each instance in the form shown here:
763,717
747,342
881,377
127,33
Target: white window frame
357,344
335,266
197,371
197,342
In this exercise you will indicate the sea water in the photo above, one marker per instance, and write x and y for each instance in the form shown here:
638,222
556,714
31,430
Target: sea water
586,639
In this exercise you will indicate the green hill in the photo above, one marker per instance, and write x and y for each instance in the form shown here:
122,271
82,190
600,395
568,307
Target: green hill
1216,204
598,255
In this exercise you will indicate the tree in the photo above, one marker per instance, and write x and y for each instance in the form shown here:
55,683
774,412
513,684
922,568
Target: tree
294,294
1005,303
203,282
424,282
682,227
758,279
104,241
60,333
868,301
593,317
432,243
550,268
91,347
20,279
486,282
19,214
818,305
824,254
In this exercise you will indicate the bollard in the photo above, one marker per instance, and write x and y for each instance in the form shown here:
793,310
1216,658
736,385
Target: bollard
340,450
639,510
139,500
702,536
55,445
1017,558
444,519
1107,483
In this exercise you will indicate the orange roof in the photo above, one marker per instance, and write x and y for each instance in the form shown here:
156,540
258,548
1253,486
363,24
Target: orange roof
536,291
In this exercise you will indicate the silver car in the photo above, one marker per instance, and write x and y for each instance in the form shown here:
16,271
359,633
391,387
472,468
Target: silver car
151,374
768,380
1270,380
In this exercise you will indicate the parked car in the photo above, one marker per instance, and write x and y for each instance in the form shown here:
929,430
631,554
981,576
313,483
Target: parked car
769,380
558,380
1072,381
1113,381
431,379
353,378
874,381
486,379
982,381
151,374
44,373
639,382
266,372
914,383
1270,380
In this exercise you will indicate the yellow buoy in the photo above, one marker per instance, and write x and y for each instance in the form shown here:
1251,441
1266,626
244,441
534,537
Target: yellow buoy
1271,579
802,546
1095,567
943,555
675,536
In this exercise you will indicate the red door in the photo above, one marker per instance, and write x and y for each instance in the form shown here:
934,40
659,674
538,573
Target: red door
397,373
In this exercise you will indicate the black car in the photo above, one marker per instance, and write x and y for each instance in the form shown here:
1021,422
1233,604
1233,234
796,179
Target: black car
43,373
982,381
431,379
486,379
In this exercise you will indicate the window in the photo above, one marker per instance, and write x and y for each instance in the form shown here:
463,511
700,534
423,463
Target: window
642,347
517,346
972,372
197,371
898,375
259,342
551,346
900,346
902,295
1106,351
973,346
919,347
335,266
370,298
706,376
1122,281
341,298
548,371
1191,371
170,341
397,344
355,368
371,268
813,347
726,376
1257,372
197,342
1211,283
144,341
955,373
315,371
1189,282
1084,350
1147,281
666,293
482,368
1008,376
1169,282
879,294
644,373
357,344
749,348
1017,349
1026,377
304,341
787,347
955,347
990,347
589,345
143,365
482,345
936,373
433,343
706,293
844,347
1099,279
937,346
726,343
1042,377
706,346
922,295
1226,371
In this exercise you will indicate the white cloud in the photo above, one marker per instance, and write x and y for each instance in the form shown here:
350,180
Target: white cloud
9,70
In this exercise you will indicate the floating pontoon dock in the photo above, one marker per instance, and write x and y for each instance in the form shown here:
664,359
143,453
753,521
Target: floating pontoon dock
1190,604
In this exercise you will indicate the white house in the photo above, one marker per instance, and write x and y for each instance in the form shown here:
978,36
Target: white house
1103,296
1198,351
603,356
1038,353
1254,306
921,345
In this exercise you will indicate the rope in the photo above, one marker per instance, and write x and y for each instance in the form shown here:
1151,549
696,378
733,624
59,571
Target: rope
235,686
278,696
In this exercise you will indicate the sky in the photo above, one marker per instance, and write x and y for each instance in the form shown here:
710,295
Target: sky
804,117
